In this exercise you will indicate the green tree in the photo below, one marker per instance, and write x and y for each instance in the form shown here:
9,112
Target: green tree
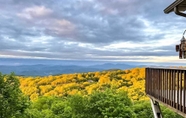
78,103
12,101
143,109
109,103
167,113
62,109
49,107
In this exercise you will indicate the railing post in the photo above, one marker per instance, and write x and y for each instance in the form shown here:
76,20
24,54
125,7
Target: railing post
184,92
156,109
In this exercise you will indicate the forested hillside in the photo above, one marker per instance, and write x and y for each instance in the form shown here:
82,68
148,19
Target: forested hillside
106,94
131,81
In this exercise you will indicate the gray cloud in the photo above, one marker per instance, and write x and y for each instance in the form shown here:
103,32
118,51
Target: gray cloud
55,29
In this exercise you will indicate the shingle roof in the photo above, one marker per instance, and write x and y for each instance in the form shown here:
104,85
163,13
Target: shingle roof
180,4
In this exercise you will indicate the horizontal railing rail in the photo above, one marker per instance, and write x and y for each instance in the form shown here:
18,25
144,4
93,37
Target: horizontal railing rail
167,85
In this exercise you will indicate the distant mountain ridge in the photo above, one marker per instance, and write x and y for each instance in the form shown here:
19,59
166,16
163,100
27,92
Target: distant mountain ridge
113,66
44,70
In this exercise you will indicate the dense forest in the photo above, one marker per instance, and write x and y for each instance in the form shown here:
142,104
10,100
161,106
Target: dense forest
105,94
131,81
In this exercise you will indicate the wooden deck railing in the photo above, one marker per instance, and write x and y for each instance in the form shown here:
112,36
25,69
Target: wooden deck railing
167,85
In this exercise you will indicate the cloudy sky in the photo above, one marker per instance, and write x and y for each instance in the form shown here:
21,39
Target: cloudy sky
114,30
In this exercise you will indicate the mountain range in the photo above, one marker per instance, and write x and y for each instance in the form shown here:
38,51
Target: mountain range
45,70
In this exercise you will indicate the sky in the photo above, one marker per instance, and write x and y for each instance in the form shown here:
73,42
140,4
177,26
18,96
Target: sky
100,30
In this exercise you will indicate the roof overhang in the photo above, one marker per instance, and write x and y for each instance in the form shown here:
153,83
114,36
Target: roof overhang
179,6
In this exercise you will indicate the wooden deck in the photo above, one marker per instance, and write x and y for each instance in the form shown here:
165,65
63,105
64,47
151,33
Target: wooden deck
167,86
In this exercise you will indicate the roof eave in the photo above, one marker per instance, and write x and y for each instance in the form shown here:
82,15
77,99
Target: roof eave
171,7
